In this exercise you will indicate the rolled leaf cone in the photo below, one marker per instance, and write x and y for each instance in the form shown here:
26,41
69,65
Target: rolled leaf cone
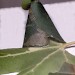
34,36
39,26
44,22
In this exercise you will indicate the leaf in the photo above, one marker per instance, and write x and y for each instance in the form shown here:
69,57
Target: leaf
33,35
52,64
43,21
49,63
34,60
16,60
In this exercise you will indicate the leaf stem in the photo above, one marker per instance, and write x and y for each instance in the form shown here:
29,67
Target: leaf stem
68,44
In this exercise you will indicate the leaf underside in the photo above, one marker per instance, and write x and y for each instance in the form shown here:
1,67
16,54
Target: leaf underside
34,60
53,64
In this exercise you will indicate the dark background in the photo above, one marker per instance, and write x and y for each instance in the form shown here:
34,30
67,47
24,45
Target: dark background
17,3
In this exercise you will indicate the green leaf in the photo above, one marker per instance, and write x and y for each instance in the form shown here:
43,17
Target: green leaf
53,64
33,35
38,26
43,21
34,60
48,64
16,60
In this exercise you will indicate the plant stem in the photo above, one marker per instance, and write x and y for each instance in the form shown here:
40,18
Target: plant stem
68,44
